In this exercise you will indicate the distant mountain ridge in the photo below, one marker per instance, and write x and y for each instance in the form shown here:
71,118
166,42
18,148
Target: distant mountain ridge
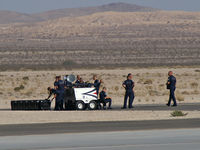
7,17
74,12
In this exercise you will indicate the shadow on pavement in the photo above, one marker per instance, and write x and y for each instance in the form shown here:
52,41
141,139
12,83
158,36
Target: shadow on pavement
150,107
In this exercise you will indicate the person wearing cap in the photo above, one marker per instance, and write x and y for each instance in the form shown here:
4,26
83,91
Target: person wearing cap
171,85
129,87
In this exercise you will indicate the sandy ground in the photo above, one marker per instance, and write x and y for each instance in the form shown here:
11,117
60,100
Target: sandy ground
150,89
8,117
150,84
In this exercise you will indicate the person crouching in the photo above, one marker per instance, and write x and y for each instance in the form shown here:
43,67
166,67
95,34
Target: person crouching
105,99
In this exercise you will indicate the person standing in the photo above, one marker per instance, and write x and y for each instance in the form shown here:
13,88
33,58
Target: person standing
97,84
59,96
56,82
171,85
129,87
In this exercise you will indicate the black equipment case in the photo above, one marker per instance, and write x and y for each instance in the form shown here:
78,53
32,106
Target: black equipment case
31,105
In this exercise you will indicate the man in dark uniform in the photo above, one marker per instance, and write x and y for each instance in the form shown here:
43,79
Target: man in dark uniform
61,84
56,82
128,85
51,92
81,84
59,96
78,79
105,99
97,84
60,91
171,85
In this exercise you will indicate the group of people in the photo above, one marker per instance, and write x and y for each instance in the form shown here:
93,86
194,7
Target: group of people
129,87
60,86
128,84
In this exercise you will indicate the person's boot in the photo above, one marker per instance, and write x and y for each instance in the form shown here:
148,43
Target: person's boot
123,107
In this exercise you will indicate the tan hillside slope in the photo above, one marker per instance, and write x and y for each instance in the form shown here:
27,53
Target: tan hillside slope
105,39
79,25
15,17
83,11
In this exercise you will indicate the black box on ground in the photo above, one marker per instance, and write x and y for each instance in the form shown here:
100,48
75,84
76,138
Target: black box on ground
31,105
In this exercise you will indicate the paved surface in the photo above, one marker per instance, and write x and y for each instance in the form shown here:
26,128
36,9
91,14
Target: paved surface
185,139
55,128
156,107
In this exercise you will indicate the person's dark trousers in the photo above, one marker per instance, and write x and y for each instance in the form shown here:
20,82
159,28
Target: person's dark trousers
131,96
108,100
97,92
131,99
59,105
172,96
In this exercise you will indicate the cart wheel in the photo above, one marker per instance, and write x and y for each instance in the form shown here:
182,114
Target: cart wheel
92,105
80,105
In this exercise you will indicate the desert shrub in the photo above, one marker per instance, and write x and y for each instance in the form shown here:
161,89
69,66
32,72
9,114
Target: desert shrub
149,87
154,93
165,93
148,81
197,70
1,93
116,88
194,85
196,92
178,113
25,78
17,89
180,98
161,85
28,93
185,93
140,81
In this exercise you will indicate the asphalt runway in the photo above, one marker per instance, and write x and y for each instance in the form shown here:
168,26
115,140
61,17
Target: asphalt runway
155,107
184,139
84,127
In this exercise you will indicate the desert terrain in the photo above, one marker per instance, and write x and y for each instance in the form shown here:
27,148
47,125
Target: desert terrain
104,37
149,84
150,89
110,41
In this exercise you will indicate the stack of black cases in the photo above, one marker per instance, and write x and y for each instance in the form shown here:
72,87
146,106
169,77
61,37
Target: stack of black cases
31,105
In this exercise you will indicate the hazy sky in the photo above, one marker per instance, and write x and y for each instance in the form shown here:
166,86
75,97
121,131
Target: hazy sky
33,6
